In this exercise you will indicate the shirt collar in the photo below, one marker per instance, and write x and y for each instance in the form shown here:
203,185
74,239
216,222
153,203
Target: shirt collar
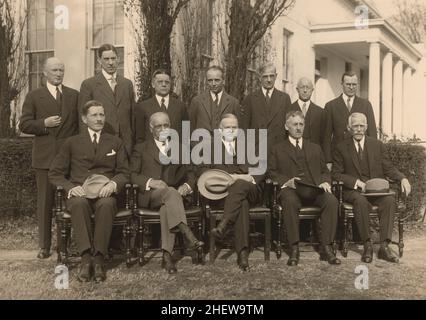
166,100
108,76
52,88
300,102
345,98
361,142
293,141
228,145
98,134
219,95
271,91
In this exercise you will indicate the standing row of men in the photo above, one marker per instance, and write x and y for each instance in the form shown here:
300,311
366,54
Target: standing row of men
55,112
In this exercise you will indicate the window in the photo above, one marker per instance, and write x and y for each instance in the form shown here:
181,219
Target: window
286,44
39,38
108,27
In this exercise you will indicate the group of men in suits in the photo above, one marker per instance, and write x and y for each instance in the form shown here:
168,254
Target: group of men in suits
105,111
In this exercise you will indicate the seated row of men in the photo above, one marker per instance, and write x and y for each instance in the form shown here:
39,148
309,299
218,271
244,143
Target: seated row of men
163,186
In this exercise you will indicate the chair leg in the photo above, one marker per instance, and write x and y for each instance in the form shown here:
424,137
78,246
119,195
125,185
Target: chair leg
59,243
127,239
345,235
267,236
140,242
401,237
212,252
65,230
200,236
279,240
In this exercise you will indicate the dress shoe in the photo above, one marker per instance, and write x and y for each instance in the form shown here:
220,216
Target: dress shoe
367,255
194,243
293,260
327,254
99,266
385,253
43,254
219,231
243,260
167,263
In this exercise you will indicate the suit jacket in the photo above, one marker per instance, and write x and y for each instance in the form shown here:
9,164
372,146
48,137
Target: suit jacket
145,164
77,160
282,163
176,110
314,122
40,104
118,107
337,114
346,167
200,113
256,115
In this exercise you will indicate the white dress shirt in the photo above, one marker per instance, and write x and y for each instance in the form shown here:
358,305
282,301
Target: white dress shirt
52,89
166,100
271,91
345,100
308,103
293,141
109,76
361,142
219,96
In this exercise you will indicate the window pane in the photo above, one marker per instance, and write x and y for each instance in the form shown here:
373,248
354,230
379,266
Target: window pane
41,40
97,35
41,19
108,34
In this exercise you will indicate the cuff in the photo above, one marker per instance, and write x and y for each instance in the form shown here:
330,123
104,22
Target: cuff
115,186
147,187
252,180
189,188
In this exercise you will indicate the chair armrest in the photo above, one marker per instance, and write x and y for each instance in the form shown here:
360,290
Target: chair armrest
135,192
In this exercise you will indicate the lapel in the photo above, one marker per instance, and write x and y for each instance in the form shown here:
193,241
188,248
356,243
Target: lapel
309,156
206,101
49,102
153,151
260,104
64,108
289,149
171,109
119,89
275,105
224,102
104,87
370,155
353,155
86,144
343,108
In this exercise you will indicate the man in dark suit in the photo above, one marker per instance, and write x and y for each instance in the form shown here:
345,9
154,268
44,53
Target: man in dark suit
161,101
51,114
357,160
91,152
314,115
115,93
243,192
207,108
266,108
337,112
299,159
163,185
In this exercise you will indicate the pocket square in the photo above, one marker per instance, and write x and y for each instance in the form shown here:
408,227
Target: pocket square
111,153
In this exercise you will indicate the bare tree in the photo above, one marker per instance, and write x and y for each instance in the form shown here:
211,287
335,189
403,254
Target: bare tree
411,17
249,21
13,76
157,20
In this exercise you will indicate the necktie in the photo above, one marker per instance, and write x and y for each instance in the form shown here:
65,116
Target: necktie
348,104
163,106
216,101
95,142
304,109
298,149
112,83
360,151
231,149
267,97
58,97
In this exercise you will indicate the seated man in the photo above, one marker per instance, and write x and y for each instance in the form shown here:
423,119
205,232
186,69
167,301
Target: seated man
243,187
298,159
162,186
91,152
357,160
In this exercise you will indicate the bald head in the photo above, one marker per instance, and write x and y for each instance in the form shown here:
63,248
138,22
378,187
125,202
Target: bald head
158,122
305,87
54,71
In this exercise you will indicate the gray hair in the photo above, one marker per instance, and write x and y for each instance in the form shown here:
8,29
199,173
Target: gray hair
266,65
357,115
156,115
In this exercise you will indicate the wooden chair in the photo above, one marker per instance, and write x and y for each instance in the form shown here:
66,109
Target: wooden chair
146,218
214,213
310,213
63,222
347,215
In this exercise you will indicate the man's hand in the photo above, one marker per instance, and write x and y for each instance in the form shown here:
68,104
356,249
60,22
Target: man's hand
405,186
245,177
107,190
52,121
77,192
360,185
157,184
326,187
329,166
290,183
184,190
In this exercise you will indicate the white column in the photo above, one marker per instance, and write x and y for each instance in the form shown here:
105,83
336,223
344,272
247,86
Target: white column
408,109
397,98
374,80
387,93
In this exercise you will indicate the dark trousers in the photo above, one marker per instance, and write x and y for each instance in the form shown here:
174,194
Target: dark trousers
172,213
242,194
81,209
45,197
362,208
291,204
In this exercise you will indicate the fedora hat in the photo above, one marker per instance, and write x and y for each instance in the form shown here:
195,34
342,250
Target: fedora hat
307,190
377,187
93,184
213,184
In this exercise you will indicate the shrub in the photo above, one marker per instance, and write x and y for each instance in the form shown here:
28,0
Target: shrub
17,180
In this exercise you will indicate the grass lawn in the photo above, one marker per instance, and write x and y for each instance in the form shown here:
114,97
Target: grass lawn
22,276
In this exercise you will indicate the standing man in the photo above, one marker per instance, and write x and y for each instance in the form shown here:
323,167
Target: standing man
299,159
92,152
337,112
314,115
207,108
161,101
115,93
266,108
162,186
51,114
357,160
